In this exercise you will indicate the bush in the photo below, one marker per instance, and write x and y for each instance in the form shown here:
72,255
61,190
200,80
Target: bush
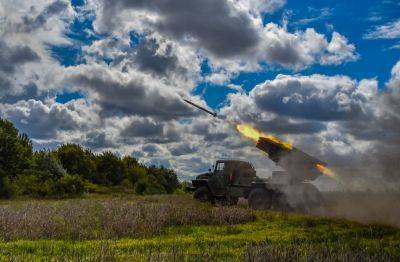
97,189
34,183
126,184
41,184
6,188
149,186
182,188
69,185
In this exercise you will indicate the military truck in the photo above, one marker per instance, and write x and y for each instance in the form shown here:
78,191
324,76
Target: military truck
229,180
284,190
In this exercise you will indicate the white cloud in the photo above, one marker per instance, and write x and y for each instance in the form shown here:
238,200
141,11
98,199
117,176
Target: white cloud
302,49
390,30
339,51
321,14
259,6
394,82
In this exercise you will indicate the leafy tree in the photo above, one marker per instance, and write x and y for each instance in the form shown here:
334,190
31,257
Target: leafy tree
165,177
110,169
172,182
149,186
15,149
77,161
134,170
70,169
47,162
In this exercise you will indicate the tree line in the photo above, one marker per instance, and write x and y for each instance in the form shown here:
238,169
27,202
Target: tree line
72,170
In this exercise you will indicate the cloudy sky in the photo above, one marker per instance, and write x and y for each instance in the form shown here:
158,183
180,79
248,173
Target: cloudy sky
111,75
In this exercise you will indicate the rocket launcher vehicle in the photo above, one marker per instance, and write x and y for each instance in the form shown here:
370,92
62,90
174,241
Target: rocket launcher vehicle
299,166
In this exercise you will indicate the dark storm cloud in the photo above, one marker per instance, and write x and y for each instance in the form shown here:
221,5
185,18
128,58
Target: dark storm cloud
212,23
281,125
98,140
170,134
284,52
314,97
200,127
11,60
13,57
5,85
30,24
134,97
195,164
29,92
151,149
150,130
143,128
147,58
215,137
183,149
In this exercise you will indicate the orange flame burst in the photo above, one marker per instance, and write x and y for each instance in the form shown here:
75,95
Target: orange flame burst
326,171
254,134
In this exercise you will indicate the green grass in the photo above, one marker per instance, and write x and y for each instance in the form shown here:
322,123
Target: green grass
271,236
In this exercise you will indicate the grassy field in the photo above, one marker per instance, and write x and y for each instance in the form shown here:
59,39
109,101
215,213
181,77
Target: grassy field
175,228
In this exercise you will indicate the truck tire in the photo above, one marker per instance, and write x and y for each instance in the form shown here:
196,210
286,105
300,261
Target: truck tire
279,202
313,200
203,194
259,199
305,198
233,201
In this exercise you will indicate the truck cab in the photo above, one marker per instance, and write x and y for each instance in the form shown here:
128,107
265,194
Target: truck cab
227,182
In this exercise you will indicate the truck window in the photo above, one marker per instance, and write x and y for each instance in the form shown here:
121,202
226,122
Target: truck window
220,167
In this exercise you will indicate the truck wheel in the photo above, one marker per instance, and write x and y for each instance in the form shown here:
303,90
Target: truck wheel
279,202
203,194
233,201
313,200
259,199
